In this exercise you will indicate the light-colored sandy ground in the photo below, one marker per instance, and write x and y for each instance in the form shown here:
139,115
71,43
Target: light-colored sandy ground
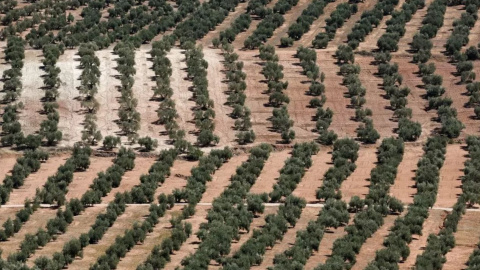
178,177
7,166
270,173
358,182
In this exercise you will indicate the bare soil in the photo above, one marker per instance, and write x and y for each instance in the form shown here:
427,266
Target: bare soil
313,177
450,184
288,239
133,213
81,224
221,178
374,243
404,186
131,178
432,224
290,18
451,14
358,182
178,177
466,239
36,180
412,27
270,173
82,180
7,166
474,35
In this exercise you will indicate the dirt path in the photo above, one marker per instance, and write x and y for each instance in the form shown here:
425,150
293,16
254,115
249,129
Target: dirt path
216,88
70,110
178,177
370,41
439,41
342,32
140,252
31,117
82,180
108,94
474,36
241,37
403,188
288,239
191,245
257,98
142,91
298,108
270,173
411,28
36,180
431,225
318,25
449,187
342,122
37,220
458,93
374,243
221,178
312,179
325,247
81,224
415,100
131,178
91,253
466,239
290,18
206,41
181,94
376,100
358,182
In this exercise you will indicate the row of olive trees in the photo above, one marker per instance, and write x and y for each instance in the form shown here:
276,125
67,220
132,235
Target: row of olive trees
232,212
422,45
438,245
427,178
370,211
240,24
204,111
129,117
12,87
89,80
236,95
408,130
53,192
333,215
323,117
273,73
304,21
366,132
336,20
191,194
369,20
272,20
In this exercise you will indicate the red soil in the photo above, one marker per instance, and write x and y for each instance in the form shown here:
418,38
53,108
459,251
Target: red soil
82,180
357,183
431,225
403,188
466,239
178,177
270,173
221,178
133,213
313,177
374,243
288,239
36,180
131,178
449,187
81,224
